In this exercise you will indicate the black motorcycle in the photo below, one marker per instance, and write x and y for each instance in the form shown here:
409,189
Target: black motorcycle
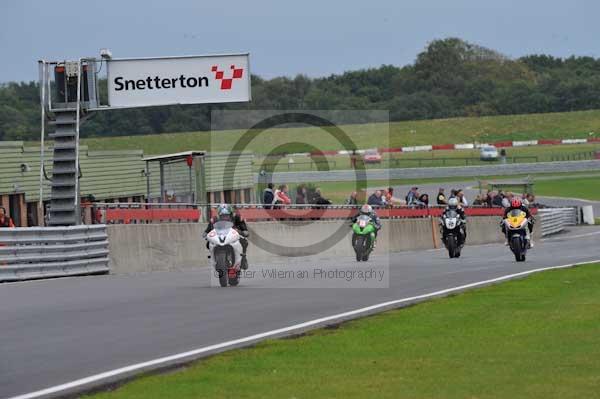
452,232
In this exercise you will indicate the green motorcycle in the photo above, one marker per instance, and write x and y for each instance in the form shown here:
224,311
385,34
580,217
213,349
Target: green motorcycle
363,237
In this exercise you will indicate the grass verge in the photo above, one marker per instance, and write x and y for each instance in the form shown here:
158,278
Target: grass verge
536,338
580,124
572,187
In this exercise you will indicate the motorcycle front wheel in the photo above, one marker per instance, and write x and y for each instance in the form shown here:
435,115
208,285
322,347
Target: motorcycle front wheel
234,280
221,267
517,248
359,247
451,245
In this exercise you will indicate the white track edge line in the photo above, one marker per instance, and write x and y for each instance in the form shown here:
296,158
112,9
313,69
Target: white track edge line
300,326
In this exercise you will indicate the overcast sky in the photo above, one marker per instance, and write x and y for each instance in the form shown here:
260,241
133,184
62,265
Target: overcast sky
313,37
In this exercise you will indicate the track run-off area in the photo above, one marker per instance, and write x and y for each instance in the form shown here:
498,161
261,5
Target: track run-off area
69,335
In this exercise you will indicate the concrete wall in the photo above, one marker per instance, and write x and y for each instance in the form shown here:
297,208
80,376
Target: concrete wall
151,247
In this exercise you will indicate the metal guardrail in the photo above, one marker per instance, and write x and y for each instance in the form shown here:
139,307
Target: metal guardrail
554,220
45,252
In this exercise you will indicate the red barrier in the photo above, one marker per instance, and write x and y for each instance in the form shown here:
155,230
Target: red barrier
254,214
390,150
443,147
251,214
549,142
593,140
322,153
500,144
146,215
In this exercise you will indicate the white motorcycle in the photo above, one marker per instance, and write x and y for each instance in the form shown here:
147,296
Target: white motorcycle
225,252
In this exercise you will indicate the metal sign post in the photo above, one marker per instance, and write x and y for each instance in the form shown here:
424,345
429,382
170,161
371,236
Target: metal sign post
72,97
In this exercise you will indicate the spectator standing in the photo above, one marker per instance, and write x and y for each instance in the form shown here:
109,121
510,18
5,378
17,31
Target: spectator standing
412,196
507,199
281,197
389,195
461,198
498,199
5,220
318,198
376,199
351,200
353,159
301,194
488,198
441,197
478,201
424,200
268,196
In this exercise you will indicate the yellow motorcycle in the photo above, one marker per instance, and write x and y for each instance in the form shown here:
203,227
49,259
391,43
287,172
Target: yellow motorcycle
515,225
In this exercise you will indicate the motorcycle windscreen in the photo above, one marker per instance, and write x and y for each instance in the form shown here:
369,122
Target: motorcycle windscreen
515,213
222,227
451,214
363,221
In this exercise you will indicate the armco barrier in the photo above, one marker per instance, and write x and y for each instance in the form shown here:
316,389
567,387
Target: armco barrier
554,220
42,252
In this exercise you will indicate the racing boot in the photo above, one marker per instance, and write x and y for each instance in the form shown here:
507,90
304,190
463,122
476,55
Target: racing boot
529,240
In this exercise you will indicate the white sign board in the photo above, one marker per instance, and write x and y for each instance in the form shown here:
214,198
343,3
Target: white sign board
178,80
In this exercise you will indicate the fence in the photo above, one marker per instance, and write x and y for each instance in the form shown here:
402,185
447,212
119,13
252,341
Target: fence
456,161
144,213
554,220
578,156
43,252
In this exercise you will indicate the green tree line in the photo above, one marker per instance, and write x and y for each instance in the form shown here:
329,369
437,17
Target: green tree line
450,78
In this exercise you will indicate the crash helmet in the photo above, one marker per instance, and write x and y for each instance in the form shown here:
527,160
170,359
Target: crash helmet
366,209
453,203
516,202
224,212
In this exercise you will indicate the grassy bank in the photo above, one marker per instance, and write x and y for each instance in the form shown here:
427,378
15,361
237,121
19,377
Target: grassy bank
536,338
442,131
573,187
433,158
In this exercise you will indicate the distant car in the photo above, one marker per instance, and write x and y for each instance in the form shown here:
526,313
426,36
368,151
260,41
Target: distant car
488,153
372,156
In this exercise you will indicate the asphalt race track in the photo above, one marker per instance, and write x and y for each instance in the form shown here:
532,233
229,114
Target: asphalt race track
56,331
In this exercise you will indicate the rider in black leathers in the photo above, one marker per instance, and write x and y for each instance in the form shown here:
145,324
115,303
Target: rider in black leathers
454,206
